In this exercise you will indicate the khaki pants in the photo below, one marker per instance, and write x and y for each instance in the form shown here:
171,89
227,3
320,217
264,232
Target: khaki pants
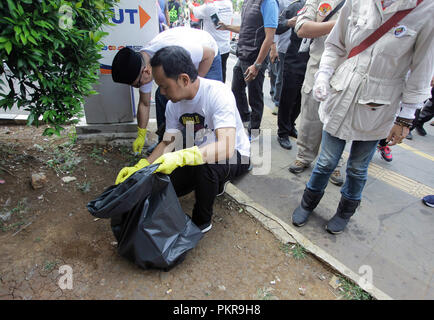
310,131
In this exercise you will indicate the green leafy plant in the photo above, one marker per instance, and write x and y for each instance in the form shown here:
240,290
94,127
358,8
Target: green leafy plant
131,158
84,187
72,135
297,251
352,291
96,155
64,160
49,52
50,265
265,294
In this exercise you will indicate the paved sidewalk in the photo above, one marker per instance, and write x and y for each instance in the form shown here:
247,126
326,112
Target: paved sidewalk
391,233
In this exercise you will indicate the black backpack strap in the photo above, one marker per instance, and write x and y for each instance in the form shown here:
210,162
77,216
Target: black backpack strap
336,9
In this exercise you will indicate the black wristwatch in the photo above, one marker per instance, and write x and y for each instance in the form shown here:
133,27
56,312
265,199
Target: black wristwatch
258,66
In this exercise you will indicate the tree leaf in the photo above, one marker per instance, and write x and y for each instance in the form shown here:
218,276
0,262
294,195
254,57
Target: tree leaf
30,119
8,47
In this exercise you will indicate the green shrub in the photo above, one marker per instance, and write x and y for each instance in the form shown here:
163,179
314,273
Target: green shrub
49,52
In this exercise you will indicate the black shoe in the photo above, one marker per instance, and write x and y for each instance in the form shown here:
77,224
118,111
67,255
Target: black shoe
309,201
284,143
420,130
345,211
409,136
293,133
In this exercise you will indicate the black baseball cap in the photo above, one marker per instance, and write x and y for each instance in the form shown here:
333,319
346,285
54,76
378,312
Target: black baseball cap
126,66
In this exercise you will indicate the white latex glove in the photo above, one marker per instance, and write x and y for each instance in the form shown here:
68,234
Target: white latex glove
321,88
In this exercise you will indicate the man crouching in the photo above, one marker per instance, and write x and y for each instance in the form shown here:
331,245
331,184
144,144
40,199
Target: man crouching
202,118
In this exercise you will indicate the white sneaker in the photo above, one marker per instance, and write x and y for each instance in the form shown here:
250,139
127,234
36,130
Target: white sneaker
205,227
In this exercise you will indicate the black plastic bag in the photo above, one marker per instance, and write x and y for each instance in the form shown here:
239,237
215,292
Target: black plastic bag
147,220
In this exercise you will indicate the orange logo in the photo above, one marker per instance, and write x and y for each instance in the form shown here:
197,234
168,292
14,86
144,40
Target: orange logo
324,9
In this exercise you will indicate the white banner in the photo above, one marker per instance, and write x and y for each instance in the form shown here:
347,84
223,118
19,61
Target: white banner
136,22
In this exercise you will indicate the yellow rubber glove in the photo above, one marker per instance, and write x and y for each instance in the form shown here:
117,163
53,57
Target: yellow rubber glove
185,157
126,172
140,140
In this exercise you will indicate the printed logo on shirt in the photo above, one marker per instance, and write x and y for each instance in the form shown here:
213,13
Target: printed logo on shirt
197,119
201,131
400,31
301,11
324,9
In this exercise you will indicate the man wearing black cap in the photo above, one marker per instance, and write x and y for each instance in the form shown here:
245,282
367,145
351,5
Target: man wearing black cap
134,68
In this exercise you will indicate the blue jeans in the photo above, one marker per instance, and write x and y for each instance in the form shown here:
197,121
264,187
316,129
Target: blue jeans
215,71
357,166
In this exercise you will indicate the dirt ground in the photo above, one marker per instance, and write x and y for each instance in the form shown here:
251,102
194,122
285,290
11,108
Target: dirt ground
44,229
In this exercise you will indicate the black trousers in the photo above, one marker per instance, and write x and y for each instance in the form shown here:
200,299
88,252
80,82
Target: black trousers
205,180
425,114
289,104
160,110
256,95
224,63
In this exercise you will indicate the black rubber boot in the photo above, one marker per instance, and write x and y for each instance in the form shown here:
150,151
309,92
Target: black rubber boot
309,201
345,211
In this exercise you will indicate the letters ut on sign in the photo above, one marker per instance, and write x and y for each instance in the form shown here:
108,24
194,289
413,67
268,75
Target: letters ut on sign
128,15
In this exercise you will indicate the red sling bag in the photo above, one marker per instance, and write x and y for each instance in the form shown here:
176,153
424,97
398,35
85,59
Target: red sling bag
385,27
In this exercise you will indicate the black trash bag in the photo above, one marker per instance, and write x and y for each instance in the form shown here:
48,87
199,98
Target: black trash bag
147,220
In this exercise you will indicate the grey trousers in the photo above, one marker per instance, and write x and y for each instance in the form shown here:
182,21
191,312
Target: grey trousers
310,130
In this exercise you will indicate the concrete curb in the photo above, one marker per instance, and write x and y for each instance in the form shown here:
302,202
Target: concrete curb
286,233
12,118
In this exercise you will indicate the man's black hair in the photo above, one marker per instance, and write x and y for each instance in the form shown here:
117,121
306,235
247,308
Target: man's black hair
174,60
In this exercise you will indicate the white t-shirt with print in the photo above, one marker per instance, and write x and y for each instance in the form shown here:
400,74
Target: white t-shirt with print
224,11
212,108
192,40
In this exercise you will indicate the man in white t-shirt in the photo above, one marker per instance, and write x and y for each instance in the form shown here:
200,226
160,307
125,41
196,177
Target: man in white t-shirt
204,112
134,68
211,12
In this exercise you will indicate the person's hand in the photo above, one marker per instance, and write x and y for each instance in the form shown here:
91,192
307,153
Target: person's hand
140,140
185,157
274,54
251,73
126,172
321,88
397,134
291,22
221,26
